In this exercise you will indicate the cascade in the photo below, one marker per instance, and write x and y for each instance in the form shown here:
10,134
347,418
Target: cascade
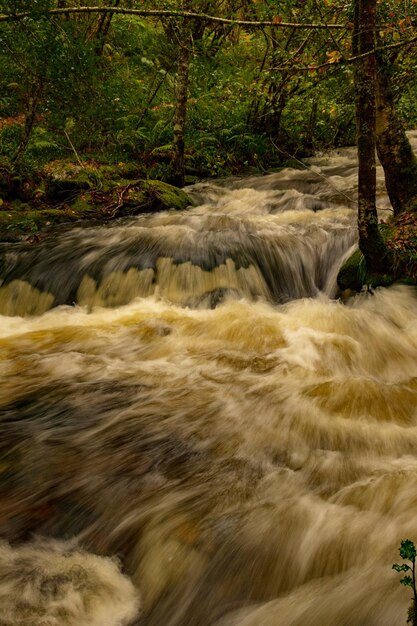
194,429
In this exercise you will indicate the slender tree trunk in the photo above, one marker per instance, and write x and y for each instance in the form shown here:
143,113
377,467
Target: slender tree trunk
394,149
62,4
30,118
180,114
370,239
102,28
276,100
312,122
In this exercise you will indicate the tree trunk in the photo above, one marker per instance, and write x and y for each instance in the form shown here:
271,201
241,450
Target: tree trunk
30,118
370,239
102,28
394,149
180,114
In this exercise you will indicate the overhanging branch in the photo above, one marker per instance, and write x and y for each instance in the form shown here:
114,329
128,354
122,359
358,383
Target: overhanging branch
289,64
182,14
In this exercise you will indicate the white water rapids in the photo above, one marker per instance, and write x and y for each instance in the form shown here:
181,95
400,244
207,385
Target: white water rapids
199,433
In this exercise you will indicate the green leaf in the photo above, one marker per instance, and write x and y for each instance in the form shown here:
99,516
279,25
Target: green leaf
401,568
408,550
69,124
407,581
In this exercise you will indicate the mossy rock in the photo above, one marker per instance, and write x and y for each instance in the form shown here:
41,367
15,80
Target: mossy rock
19,220
148,196
126,171
65,180
352,274
164,196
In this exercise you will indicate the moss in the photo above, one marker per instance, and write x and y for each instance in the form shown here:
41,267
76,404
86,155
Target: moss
353,272
166,196
64,179
129,171
148,196
63,190
18,224
135,201
353,275
191,179
20,219
80,208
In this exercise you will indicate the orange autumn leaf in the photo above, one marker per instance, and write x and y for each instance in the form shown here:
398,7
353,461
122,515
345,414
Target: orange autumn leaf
333,56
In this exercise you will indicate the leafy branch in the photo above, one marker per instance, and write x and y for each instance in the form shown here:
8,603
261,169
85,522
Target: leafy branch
408,553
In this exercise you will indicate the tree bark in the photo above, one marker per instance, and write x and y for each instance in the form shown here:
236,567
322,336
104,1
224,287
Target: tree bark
394,150
180,115
30,118
102,28
370,239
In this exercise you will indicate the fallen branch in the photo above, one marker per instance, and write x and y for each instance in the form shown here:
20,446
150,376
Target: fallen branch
73,149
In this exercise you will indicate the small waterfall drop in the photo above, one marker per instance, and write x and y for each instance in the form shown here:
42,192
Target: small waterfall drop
276,237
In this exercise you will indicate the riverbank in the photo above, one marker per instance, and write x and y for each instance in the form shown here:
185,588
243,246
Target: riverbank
400,236
66,192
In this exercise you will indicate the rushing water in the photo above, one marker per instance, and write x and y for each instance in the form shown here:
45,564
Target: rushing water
201,434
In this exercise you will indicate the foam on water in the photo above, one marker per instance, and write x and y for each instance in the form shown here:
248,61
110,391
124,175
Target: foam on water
53,584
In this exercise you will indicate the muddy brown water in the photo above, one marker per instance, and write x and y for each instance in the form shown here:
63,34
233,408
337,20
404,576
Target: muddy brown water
194,430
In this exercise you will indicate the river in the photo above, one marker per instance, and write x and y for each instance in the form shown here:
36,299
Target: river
195,429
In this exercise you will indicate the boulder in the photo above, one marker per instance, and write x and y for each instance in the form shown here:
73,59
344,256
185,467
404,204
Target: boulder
65,180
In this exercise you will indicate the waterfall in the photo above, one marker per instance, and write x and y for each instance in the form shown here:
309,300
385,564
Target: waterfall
194,429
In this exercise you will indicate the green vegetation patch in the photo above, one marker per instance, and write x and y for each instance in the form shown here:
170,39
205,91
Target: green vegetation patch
165,196
402,241
352,274
400,237
16,224
117,198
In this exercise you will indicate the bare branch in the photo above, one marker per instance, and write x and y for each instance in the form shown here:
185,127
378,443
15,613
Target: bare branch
342,61
182,14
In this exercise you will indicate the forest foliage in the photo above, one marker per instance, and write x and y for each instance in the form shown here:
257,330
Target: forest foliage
256,97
